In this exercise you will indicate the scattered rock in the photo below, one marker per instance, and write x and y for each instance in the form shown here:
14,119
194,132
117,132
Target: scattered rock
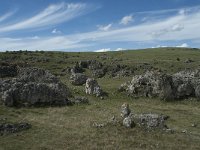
78,79
93,88
33,86
128,122
125,110
194,125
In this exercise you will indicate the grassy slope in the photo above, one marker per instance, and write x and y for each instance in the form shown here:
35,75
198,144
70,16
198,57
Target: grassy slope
71,127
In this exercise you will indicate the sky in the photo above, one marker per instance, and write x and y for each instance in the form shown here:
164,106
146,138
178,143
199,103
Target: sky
98,25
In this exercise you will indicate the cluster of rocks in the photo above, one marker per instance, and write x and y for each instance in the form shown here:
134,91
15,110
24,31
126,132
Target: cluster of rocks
99,70
181,85
33,86
148,120
6,128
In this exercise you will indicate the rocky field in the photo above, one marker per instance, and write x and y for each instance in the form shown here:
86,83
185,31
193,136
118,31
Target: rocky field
137,99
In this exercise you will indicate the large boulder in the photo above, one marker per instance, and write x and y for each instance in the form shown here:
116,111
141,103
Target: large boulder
181,85
92,87
78,79
33,86
151,84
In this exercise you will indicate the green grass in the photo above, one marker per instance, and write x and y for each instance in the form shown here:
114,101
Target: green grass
71,127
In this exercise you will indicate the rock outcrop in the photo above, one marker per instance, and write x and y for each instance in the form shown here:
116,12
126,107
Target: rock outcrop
78,79
33,86
93,88
167,87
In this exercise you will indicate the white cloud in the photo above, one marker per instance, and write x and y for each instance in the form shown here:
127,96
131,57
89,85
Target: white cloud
177,27
104,28
54,14
182,12
126,20
119,49
55,31
184,45
6,16
109,49
103,50
35,37
174,28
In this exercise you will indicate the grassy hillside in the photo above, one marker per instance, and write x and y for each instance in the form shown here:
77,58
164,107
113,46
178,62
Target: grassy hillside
71,127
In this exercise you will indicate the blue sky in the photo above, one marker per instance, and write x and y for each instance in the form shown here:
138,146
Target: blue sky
98,25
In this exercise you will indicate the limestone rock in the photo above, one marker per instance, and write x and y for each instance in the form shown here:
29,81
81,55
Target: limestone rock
150,120
125,110
128,122
78,79
33,86
167,87
93,88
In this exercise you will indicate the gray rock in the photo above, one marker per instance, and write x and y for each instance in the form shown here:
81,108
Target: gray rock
128,122
150,121
125,110
33,86
78,79
167,87
93,88
151,84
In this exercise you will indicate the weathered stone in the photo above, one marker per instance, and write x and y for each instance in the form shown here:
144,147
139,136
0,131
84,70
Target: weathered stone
167,87
151,84
128,122
78,79
93,88
33,86
125,110
150,121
